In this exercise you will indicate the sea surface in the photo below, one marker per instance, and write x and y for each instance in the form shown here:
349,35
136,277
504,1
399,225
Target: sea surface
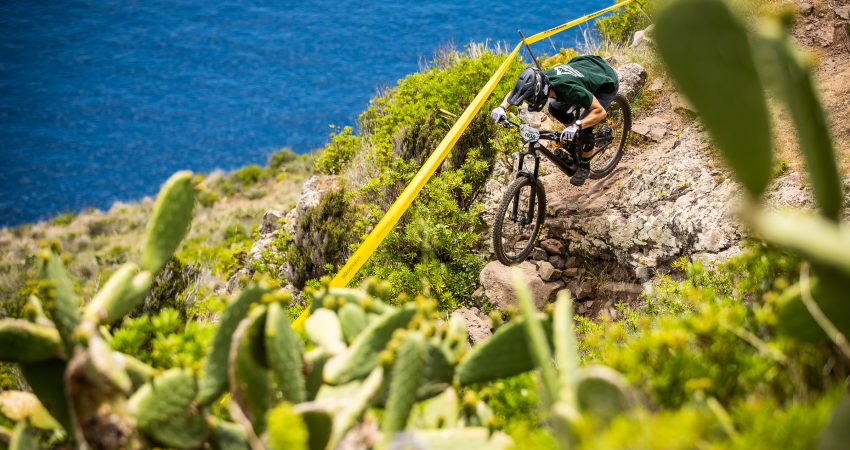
102,100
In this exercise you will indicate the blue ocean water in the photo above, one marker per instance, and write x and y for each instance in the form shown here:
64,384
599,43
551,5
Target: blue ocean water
102,100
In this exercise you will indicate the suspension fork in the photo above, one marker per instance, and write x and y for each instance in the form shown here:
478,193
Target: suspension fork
532,199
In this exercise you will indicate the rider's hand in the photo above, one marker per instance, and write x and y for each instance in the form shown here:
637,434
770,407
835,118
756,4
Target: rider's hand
499,115
569,133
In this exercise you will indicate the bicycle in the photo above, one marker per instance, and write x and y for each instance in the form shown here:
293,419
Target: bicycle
514,242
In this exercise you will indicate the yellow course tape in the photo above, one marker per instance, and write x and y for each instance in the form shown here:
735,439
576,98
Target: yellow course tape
393,215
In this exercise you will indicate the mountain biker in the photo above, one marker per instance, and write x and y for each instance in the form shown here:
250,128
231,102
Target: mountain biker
586,81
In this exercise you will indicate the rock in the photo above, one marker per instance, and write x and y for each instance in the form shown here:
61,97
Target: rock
656,85
573,272
538,254
807,9
681,105
557,262
843,12
572,261
841,35
271,221
312,191
617,60
654,128
580,289
619,289
641,38
643,273
498,284
548,272
479,328
553,246
632,77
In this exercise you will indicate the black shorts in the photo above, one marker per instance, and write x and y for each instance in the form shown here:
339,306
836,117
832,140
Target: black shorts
565,113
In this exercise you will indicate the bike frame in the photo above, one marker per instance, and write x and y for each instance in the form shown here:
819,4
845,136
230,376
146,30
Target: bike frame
532,148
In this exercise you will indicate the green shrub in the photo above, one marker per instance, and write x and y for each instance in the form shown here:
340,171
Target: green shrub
164,339
339,151
281,158
622,24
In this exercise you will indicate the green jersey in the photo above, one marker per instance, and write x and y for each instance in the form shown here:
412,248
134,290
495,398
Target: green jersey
577,81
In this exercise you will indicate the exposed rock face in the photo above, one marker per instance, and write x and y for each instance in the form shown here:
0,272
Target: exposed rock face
276,222
498,284
669,199
312,191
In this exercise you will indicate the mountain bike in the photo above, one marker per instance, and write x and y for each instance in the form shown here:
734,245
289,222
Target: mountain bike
523,208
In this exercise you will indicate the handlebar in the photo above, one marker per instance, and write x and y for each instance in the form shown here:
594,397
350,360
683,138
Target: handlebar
530,134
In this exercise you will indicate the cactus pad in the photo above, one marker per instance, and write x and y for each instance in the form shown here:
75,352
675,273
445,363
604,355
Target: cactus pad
214,381
170,220
285,354
164,410
362,356
406,374
505,354
26,342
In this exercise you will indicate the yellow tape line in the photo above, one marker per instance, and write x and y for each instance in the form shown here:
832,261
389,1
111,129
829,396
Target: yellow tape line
398,208
572,23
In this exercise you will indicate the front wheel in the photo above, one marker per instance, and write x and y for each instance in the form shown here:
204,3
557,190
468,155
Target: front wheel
518,220
611,137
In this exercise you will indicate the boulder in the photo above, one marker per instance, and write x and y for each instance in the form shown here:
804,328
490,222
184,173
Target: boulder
641,39
478,326
498,284
843,12
553,246
632,77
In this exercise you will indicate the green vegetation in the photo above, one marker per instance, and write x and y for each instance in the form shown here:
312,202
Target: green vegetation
620,26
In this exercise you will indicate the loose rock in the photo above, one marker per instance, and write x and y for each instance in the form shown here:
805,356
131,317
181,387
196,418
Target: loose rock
478,327
553,246
557,262
548,272
807,9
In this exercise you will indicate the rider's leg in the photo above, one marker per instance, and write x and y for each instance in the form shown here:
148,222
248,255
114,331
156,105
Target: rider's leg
586,143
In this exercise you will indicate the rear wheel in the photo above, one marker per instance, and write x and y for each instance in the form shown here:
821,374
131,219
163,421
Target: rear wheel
611,137
518,220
